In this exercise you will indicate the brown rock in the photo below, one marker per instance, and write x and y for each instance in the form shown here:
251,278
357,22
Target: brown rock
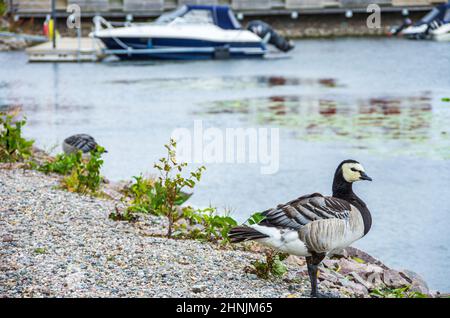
295,260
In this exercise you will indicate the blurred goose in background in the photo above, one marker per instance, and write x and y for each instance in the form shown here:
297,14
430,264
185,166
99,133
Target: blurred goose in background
83,142
314,225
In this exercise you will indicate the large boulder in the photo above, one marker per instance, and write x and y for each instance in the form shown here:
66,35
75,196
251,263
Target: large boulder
393,279
418,284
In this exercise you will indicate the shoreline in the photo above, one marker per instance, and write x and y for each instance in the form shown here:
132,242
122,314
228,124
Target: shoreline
62,244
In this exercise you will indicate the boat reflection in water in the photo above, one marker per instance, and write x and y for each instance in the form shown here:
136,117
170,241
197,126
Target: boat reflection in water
393,122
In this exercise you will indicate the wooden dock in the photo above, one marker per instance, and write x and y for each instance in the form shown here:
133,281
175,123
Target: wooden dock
67,50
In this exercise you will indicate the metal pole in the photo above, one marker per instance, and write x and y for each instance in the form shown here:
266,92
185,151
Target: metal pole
54,23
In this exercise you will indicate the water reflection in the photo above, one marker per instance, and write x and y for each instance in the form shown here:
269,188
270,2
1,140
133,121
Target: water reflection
228,82
409,120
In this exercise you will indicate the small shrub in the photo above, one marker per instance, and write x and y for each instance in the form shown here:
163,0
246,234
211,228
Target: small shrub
402,292
147,195
205,225
272,266
85,175
62,164
13,147
164,195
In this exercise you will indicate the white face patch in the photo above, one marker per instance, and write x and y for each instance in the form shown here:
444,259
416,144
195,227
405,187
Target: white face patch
351,175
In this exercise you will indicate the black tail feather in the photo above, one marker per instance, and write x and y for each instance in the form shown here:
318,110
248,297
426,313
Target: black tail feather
244,233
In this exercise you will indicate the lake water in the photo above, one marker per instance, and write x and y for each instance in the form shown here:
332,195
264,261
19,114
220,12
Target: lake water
375,100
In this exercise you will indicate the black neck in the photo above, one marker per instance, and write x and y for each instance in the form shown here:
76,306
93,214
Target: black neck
344,190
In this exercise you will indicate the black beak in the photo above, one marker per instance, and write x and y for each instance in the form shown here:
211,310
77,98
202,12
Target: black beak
364,176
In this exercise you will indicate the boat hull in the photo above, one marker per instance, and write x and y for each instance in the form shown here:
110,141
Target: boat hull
128,48
442,33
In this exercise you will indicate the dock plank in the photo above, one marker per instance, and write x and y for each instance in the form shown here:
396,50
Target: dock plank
67,50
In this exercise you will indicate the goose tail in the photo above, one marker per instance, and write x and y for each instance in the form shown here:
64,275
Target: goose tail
244,233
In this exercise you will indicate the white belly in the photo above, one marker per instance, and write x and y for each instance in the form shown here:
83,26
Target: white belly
286,241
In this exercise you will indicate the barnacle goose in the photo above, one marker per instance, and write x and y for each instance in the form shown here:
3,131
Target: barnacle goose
314,225
83,142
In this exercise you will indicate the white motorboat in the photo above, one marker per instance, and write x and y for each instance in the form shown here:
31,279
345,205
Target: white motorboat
190,32
431,21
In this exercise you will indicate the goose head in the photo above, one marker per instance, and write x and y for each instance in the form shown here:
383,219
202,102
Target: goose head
352,171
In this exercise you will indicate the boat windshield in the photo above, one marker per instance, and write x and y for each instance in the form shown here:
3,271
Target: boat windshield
185,16
170,16
431,16
195,17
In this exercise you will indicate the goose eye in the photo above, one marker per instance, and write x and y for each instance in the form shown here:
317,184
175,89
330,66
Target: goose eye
354,169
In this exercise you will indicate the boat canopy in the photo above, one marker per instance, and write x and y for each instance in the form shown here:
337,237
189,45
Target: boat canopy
447,15
222,16
437,13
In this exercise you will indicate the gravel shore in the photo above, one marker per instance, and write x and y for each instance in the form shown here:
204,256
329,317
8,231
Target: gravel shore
59,244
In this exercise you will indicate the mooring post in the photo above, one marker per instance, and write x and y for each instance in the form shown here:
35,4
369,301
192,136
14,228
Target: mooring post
54,23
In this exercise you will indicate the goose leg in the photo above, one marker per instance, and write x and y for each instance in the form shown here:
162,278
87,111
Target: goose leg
313,262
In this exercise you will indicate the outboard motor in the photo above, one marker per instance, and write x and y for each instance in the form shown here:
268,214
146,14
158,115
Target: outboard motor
265,32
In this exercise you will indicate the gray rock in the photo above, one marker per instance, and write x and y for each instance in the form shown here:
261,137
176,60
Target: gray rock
327,276
357,289
7,237
354,252
393,279
348,266
418,284
198,288
375,280
360,280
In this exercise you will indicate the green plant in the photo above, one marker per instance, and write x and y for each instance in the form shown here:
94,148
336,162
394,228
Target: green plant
147,196
272,266
445,99
85,175
402,292
255,218
205,225
40,250
2,7
164,195
62,164
119,216
13,147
